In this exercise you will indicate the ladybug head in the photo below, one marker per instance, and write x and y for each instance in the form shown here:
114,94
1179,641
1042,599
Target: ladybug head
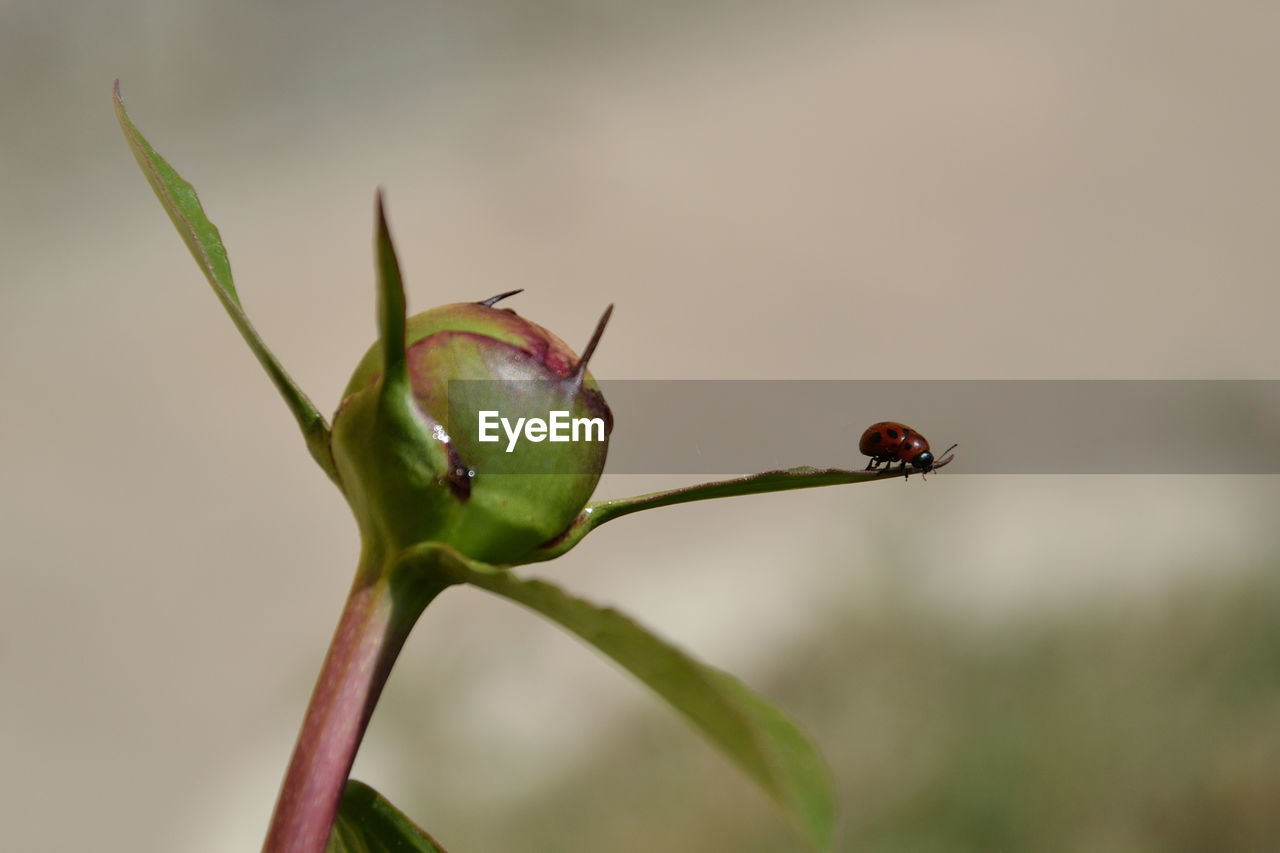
917,454
922,461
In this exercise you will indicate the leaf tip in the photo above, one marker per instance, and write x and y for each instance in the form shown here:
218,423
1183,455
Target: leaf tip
117,101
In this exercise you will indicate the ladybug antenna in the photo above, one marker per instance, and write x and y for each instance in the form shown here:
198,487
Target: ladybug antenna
943,459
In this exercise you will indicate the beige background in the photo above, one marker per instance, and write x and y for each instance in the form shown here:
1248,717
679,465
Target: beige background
979,190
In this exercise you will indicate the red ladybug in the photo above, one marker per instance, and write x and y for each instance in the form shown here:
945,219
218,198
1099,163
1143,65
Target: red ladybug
890,441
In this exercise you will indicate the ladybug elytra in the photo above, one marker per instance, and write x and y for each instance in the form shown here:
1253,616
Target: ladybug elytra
890,441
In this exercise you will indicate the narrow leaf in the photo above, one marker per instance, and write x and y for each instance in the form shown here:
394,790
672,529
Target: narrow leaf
368,823
757,736
201,236
599,512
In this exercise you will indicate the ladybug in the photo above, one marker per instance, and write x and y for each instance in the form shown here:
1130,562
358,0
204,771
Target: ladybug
890,441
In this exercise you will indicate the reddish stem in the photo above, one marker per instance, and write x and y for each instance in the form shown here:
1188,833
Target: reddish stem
370,634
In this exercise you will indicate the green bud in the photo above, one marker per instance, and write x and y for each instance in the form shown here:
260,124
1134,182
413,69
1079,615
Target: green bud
412,477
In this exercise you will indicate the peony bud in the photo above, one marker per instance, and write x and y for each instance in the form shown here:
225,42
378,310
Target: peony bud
412,476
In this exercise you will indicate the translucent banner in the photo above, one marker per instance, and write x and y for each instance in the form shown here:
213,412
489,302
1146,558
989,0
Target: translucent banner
715,427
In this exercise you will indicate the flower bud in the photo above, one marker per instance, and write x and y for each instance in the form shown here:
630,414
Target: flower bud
413,465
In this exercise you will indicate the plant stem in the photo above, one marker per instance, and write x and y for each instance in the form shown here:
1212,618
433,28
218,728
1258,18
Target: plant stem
374,624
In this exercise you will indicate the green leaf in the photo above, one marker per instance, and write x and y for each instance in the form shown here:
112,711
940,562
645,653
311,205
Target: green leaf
599,512
756,735
201,236
368,823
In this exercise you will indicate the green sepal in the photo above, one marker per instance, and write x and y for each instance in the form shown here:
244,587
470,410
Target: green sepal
201,236
396,472
392,308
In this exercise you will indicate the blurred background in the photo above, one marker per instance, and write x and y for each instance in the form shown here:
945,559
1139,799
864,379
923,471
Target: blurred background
827,191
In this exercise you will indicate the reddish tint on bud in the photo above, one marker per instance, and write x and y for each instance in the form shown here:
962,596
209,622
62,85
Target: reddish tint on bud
416,471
